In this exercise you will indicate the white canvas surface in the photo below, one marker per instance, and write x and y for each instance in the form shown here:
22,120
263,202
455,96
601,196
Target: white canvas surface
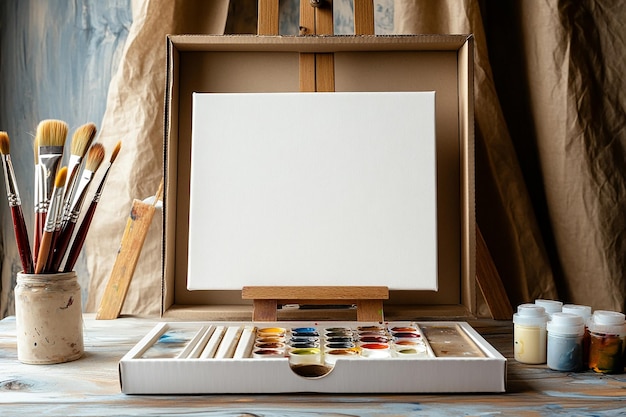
313,189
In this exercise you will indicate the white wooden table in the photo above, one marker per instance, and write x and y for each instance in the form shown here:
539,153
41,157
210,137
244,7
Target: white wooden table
90,387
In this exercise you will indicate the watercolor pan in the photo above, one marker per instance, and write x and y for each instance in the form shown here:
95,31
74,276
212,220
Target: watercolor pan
212,358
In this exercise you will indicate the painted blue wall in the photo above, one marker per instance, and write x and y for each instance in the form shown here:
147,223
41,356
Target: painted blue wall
56,61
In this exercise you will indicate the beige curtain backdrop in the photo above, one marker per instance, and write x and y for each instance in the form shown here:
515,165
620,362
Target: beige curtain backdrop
134,115
550,125
550,135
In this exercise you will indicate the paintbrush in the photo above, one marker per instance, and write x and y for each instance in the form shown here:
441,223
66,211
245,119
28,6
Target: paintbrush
50,138
37,197
15,204
81,233
52,217
95,155
81,141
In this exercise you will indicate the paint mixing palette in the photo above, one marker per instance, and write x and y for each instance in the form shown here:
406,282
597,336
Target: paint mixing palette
332,357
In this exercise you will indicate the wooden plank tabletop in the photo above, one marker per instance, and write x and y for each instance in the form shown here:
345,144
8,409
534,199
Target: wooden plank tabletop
90,386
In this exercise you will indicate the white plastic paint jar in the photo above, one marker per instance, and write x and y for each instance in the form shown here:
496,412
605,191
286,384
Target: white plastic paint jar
49,321
607,348
584,312
529,334
551,306
565,342
579,310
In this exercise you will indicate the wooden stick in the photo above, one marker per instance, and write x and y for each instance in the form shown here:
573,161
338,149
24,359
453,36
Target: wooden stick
324,23
268,17
489,281
363,17
325,72
307,73
137,227
307,18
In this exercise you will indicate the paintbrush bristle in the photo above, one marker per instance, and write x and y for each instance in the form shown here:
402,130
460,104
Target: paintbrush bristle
51,132
94,157
59,180
4,143
116,150
83,136
36,149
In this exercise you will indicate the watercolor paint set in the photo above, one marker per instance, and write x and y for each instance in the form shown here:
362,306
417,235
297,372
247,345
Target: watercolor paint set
323,357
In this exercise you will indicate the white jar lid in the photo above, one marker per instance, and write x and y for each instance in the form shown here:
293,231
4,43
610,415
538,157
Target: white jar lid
583,311
551,306
566,323
611,322
530,315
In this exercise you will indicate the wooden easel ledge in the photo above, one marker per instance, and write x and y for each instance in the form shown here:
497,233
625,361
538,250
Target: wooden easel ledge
368,299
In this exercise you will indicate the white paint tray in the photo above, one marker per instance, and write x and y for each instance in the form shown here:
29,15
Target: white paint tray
454,359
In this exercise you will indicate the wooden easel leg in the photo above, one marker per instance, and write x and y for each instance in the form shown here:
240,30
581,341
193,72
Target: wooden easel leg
369,310
265,310
490,283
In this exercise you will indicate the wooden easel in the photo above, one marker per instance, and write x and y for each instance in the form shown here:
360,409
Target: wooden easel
317,74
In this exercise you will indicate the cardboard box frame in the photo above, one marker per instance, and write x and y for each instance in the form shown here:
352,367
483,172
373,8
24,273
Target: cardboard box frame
443,63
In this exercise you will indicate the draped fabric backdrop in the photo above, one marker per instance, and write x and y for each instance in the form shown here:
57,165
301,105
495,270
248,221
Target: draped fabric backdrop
550,135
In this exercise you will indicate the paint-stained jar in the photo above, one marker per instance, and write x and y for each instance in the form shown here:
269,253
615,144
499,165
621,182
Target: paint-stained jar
585,313
530,334
565,342
607,348
48,312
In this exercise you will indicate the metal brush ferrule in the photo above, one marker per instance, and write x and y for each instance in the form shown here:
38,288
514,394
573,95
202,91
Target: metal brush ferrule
54,212
96,197
98,194
38,198
49,160
73,168
81,192
13,194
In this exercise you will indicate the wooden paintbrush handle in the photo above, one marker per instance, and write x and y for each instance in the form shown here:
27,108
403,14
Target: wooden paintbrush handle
60,246
79,239
52,252
40,221
44,250
21,238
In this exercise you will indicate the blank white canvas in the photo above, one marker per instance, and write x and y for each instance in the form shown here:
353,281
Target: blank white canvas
313,189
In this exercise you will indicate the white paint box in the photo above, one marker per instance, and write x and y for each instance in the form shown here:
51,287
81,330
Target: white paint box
142,373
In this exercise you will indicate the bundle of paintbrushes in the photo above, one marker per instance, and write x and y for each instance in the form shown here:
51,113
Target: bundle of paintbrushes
60,192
